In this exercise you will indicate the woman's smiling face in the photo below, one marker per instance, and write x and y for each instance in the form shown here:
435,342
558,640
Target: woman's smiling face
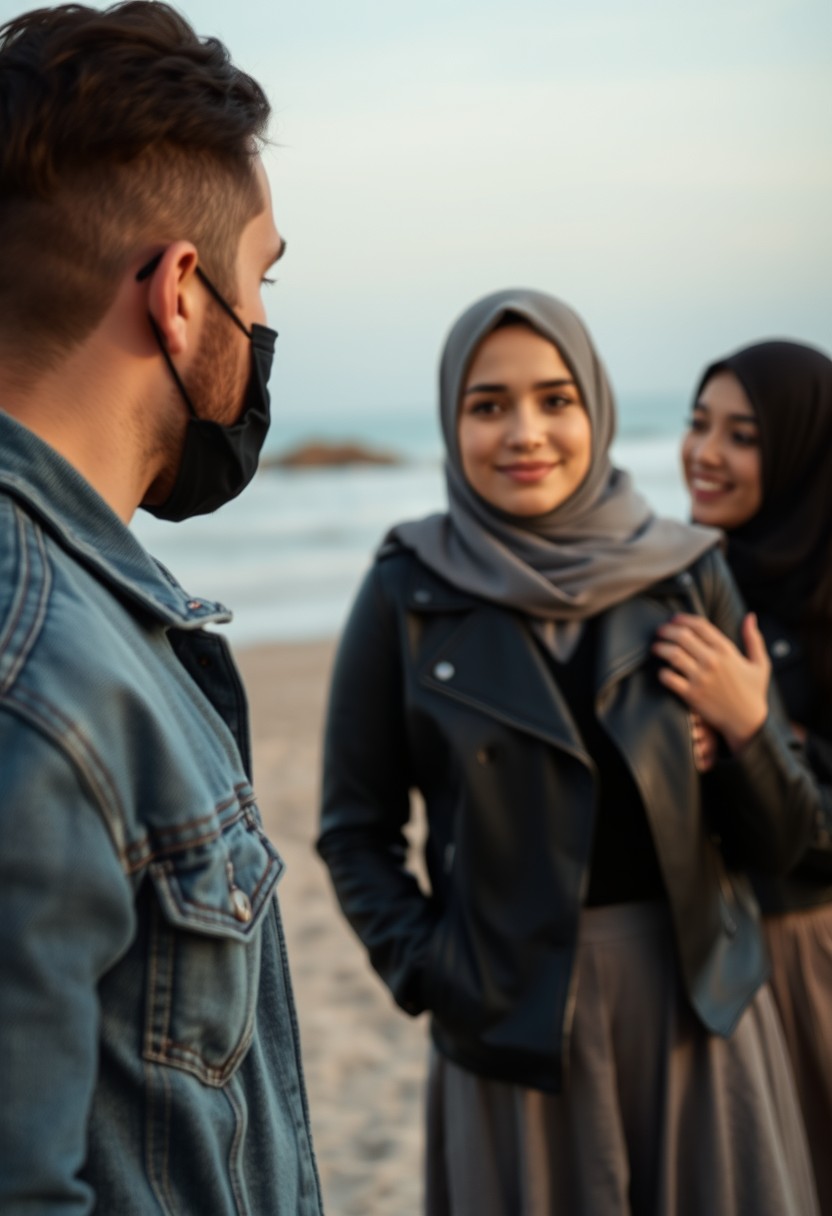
524,435
721,455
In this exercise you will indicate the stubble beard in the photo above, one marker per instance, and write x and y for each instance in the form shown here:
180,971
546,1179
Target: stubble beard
215,385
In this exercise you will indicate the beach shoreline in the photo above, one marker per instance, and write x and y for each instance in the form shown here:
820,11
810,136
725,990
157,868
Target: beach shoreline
365,1061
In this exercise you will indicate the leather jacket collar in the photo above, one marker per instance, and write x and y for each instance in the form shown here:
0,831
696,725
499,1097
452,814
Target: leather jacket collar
516,686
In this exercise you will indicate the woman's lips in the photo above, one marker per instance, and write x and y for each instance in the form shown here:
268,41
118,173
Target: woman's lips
706,489
526,473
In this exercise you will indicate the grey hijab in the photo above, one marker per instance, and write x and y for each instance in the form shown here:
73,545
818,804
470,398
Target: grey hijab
601,546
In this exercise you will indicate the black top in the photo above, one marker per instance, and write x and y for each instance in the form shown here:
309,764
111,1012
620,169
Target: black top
624,866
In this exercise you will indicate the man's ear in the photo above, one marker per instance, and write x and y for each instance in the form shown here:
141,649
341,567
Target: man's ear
171,294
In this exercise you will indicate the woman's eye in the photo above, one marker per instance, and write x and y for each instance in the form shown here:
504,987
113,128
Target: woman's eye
697,425
746,439
485,407
268,282
557,401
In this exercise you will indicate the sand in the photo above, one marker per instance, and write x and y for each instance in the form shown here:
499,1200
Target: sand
364,1059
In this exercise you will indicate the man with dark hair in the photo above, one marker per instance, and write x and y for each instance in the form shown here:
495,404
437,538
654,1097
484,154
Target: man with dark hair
149,1057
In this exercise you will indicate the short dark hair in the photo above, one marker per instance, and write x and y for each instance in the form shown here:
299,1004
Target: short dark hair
119,129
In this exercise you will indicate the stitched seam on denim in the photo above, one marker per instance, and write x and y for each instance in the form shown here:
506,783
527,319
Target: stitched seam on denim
152,854
112,821
141,852
166,1148
77,746
40,612
220,914
167,1021
152,984
160,856
148,1126
176,829
180,1054
168,1049
156,1185
234,1150
22,591
301,1083
87,760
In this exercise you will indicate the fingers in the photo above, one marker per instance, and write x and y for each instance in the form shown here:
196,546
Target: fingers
679,658
675,682
690,648
704,744
704,754
678,634
754,642
697,630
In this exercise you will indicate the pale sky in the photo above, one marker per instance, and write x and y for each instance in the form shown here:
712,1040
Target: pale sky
665,167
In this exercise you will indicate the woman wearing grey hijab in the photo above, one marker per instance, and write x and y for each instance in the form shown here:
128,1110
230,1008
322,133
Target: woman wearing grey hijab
589,950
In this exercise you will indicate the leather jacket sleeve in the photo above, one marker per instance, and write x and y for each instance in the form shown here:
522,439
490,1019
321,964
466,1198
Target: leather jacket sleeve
818,856
366,798
762,801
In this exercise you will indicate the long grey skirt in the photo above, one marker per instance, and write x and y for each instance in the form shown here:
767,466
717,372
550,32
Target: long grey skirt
800,944
657,1117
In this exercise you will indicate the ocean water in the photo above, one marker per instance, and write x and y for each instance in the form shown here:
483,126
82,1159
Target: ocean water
287,556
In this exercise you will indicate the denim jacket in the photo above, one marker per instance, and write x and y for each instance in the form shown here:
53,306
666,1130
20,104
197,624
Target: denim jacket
149,1056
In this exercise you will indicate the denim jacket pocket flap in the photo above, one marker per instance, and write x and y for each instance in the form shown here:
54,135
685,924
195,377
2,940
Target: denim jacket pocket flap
209,910
220,887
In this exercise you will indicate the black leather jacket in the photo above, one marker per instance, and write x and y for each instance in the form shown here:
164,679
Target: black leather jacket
444,692
809,884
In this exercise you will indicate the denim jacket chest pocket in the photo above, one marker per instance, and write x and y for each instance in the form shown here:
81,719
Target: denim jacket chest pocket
210,900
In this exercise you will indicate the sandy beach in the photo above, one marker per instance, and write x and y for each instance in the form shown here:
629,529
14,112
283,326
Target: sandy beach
365,1061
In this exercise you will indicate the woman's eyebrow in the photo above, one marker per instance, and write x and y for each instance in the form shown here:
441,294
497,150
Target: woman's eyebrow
503,388
486,388
700,405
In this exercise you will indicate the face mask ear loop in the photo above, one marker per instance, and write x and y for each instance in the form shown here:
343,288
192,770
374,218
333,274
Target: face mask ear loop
145,273
223,303
166,356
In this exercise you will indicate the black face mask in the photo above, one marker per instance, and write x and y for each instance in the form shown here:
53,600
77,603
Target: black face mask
218,461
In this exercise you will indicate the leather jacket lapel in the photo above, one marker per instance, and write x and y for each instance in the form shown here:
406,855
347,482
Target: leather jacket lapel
490,661
484,656
625,636
487,657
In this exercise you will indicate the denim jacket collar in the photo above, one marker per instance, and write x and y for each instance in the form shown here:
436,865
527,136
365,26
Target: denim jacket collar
49,487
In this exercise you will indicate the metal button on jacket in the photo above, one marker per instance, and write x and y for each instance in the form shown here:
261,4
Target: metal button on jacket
780,648
241,905
444,671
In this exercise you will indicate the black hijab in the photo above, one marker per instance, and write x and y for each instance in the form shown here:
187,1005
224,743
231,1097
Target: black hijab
781,557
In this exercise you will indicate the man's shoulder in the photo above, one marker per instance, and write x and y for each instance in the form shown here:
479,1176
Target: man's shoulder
48,601
98,681
25,581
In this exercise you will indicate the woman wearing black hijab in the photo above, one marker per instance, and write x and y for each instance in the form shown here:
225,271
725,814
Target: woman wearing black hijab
603,1042
758,463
